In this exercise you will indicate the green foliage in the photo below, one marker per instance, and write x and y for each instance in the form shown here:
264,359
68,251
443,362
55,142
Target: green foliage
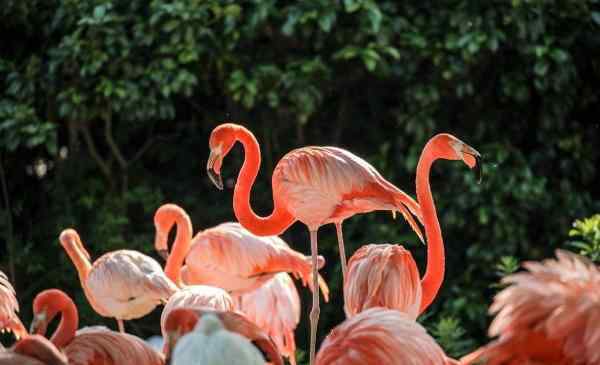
588,232
130,90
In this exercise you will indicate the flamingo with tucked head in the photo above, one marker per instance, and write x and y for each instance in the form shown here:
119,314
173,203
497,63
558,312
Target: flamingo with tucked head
122,284
9,320
313,185
91,345
387,275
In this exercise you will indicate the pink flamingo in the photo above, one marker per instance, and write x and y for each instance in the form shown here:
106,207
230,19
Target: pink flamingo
226,256
315,185
90,345
183,320
32,350
379,336
320,185
387,275
547,315
9,308
275,307
123,284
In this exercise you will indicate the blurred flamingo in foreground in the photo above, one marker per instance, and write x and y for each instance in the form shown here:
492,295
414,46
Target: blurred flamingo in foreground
275,307
313,185
547,315
32,350
210,343
91,345
123,284
380,336
183,320
387,275
9,307
226,256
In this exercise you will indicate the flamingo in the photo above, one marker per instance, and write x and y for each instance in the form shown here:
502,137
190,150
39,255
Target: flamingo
91,345
379,336
9,321
547,315
275,307
123,284
226,256
32,350
183,320
320,185
210,343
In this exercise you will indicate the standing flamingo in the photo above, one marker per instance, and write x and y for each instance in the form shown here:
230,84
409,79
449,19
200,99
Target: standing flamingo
227,256
183,320
380,336
90,345
211,343
123,284
9,320
32,350
319,185
275,307
386,275
548,315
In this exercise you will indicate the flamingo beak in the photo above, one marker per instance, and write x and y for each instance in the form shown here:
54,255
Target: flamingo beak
164,254
213,174
38,324
473,159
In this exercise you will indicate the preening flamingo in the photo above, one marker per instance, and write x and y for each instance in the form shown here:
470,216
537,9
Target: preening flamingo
183,320
91,345
387,275
9,320
123,284
32,350
313,185
380,336
549,314
275,307
211,343
227,256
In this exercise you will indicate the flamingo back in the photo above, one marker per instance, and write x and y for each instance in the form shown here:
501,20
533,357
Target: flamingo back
100,346
9,308
382,275
556,298
275,307
380,336
33,350
127,284
197,297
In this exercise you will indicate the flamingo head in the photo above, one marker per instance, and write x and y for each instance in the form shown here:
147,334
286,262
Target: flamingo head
164,219
451,148
46,306
179,322
70,240
221,141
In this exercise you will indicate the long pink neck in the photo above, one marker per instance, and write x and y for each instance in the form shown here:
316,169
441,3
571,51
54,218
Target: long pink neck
180,248
434,275
280,219
81,262
69,321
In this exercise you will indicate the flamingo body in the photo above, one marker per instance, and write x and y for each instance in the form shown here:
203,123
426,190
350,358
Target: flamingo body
382,276
379,336
9,320
275,307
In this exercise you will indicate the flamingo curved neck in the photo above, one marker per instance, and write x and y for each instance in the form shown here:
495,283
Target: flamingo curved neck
434,275
180,248
69,321
81,262
280,219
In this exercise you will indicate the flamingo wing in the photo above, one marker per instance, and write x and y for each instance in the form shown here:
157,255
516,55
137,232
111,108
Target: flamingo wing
9,307
32,348
275,308
128,284
93,346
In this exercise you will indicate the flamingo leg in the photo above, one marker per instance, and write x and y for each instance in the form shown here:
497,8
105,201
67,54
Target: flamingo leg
121,325
314,312
340,237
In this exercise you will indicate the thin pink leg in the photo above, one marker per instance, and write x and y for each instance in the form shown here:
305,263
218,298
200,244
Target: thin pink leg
314,312
121,325
340,237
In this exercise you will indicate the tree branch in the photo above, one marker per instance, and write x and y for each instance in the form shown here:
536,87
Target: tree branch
114,148
94,153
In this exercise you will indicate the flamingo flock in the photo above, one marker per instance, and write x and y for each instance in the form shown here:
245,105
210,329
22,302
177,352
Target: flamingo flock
229,296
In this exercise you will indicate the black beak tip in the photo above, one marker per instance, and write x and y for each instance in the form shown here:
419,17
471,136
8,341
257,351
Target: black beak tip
164,254
215,178
479,168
